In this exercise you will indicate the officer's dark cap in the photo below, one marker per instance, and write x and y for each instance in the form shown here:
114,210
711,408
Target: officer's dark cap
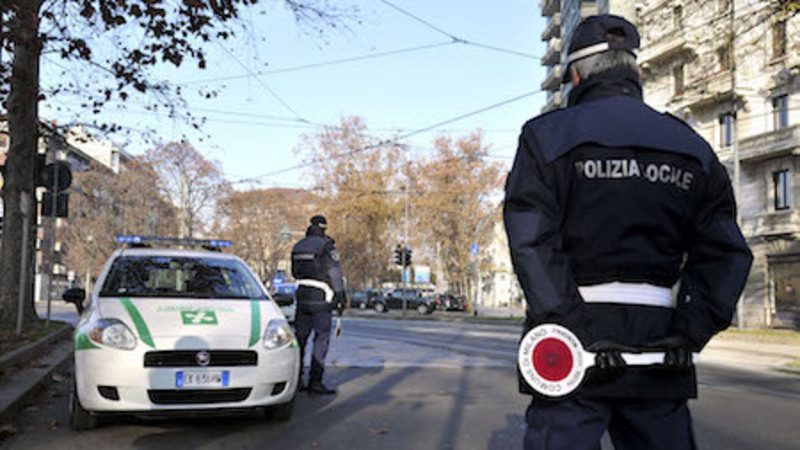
598,34
319,221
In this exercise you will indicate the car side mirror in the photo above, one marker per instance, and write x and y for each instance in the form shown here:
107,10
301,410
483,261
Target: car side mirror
75,296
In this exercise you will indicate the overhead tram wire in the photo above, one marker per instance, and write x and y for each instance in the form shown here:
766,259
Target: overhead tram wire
264,85
395,140
323,63
455,38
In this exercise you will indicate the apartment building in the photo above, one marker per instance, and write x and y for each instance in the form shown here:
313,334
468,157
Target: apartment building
730,68
562,18
498,286
79,150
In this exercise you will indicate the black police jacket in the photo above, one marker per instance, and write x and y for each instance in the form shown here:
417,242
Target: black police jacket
315,258
609,190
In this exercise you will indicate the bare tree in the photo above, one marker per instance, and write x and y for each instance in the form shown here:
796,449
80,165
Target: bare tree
105,205
191,182
357,177
263,225
145,33
454,189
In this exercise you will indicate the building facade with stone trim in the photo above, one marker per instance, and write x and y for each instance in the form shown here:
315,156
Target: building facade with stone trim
730,69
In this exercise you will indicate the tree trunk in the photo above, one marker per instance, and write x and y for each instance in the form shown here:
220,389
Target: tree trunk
23,133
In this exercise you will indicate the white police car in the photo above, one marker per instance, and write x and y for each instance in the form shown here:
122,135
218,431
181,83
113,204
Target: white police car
176,330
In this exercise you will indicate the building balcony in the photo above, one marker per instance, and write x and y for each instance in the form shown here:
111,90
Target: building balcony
552,82
553,102
553,54
664,49
770,144
550,7
776,223
707,91
553,27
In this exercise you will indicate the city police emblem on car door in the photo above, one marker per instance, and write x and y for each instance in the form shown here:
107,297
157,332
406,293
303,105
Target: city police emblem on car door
199,317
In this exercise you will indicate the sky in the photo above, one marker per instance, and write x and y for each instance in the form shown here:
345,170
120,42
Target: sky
446,59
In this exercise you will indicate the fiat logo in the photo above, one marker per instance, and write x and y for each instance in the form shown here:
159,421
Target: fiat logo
203,358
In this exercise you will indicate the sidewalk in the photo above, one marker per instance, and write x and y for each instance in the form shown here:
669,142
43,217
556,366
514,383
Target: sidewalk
755,352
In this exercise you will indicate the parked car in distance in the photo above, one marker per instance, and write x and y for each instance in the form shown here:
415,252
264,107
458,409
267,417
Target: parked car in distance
450,302
414,300
285,295
363,299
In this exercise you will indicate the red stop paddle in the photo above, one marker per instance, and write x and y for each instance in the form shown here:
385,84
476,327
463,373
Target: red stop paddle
553,362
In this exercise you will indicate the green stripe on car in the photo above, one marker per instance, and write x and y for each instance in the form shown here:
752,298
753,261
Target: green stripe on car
255,322
141,327
82,342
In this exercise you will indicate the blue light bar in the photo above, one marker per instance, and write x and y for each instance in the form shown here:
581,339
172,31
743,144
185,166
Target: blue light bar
129,239
166,241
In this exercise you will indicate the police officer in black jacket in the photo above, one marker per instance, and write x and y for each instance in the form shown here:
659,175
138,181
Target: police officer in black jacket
315,266
609,205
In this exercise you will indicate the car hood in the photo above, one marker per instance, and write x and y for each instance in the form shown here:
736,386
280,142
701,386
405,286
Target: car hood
191,323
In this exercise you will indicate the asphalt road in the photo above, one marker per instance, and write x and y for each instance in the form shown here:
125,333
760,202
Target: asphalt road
422,385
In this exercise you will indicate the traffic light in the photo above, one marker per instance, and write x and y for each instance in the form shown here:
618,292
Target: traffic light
398,256
407,259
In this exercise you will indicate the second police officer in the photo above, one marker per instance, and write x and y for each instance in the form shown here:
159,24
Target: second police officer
320,289
609,205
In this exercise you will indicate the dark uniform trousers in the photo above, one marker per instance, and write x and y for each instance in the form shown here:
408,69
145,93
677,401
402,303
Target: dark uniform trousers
579,423
320,323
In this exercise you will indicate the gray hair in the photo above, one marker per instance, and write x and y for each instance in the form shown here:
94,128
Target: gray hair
603,62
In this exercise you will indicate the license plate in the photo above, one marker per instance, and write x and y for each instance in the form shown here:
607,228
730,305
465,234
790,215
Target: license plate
202,378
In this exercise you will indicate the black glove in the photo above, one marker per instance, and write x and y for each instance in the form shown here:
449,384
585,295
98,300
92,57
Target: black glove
678,349
339,302
608,356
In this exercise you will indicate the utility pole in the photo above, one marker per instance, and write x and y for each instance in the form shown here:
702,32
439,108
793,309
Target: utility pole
406,270
54,225
25,209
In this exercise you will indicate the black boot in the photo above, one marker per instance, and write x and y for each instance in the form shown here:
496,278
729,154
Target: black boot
319,388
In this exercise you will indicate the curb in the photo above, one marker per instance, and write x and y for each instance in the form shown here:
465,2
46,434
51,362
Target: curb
19,388
34,349
502,321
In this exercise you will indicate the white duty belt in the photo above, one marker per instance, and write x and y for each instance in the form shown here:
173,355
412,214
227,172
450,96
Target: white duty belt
319,285
627,294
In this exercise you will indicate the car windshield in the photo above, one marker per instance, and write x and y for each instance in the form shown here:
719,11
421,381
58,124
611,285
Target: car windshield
171,276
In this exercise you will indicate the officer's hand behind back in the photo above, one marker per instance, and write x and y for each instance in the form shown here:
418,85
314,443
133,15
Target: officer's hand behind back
677,348
608,355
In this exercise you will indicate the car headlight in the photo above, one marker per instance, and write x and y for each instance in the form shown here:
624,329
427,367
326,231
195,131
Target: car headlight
277,334
113,333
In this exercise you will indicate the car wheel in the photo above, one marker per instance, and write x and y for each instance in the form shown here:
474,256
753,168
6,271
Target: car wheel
80,419
422,309
282,412
380,307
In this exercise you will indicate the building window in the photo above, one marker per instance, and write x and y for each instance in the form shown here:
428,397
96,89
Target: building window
783,191
724,55
780,112
726,129
677,17
779,39
677,78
